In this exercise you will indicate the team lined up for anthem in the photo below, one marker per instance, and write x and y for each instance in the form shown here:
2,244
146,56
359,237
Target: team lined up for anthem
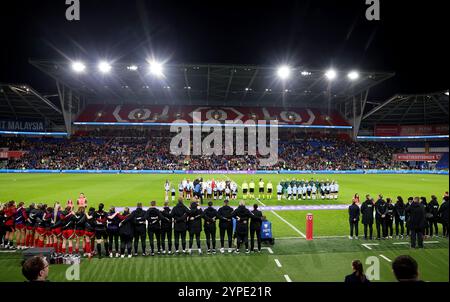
65,229
287,189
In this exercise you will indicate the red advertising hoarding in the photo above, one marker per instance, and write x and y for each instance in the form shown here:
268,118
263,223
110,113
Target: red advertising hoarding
417,157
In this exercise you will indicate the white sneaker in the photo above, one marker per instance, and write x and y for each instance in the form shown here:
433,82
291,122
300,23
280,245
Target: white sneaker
117,255
230,250
129,256
122,256
199,251
222,250
350,237
111,255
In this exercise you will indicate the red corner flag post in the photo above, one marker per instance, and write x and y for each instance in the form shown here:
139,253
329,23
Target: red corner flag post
309,226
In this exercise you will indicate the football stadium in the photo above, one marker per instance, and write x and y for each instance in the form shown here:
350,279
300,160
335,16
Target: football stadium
154,171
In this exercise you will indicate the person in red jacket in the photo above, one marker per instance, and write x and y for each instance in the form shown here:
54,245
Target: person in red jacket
10,217
20,225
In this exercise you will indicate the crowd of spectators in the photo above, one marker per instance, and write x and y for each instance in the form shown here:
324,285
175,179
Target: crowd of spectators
145,149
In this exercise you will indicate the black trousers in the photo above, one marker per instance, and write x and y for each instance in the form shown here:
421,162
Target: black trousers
368,227
253,232
139,234
229,230
389,227
152,234
125,243
166,233
416,234
195,234
99,235
354,225
210,233
242,238
381,227
113,237
445,229
399,226
433,225
178,235
408,229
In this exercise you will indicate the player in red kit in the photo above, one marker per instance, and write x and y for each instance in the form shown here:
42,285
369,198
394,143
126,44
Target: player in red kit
10,216
82,201
20,226
68,229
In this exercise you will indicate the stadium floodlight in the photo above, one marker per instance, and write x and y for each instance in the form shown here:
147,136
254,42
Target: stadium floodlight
132,67
284,72
104,67
353,75
78,67
156,68
331,74
447,93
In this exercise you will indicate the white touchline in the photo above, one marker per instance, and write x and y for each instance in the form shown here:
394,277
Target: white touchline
431,242
278,262
284,220
400,243
269,249
385,258
287,278
367,245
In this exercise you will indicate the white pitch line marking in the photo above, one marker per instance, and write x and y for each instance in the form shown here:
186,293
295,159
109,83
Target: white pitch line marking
431,242
398,243
268,249
367,245
278,262
284,220
287,278
385,258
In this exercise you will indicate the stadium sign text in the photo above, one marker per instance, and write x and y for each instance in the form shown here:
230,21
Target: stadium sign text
373,11
18,125
73,11
222,136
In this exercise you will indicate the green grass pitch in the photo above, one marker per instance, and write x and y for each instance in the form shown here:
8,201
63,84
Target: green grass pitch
327,258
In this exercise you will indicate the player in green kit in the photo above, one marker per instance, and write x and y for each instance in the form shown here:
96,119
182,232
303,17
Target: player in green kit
261,189
244,190
269,189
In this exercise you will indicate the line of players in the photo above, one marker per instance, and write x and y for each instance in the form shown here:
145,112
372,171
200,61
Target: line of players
69,231
312,189
286,189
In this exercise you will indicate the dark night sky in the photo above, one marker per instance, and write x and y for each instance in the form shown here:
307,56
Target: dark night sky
410,39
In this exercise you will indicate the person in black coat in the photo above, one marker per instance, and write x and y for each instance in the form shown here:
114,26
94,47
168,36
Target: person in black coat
400,217
242,216
408,204
154,218
139,217
255,228
433,210
423,201
353,213
367,210
195,226
225,214
113,231
166,229
126,232
390,218
417,222
209,226
443,216
180,214
380,217
358,275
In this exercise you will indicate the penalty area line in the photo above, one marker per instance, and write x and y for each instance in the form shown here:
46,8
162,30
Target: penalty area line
385,258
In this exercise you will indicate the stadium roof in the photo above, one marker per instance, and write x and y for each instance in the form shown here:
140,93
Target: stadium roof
410,110
209,84
19,101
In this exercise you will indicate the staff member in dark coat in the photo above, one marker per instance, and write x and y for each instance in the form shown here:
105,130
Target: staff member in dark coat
433,210
126,232
389,218
353,213
210,216
242,216
154,218
139,229
166,229
225,225
255,228
417,222
423,201
179,214
195,226
408,204
400,217
443,216
380,217
367,209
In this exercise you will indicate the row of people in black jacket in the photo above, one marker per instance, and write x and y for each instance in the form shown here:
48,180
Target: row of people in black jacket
181,220
385,214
